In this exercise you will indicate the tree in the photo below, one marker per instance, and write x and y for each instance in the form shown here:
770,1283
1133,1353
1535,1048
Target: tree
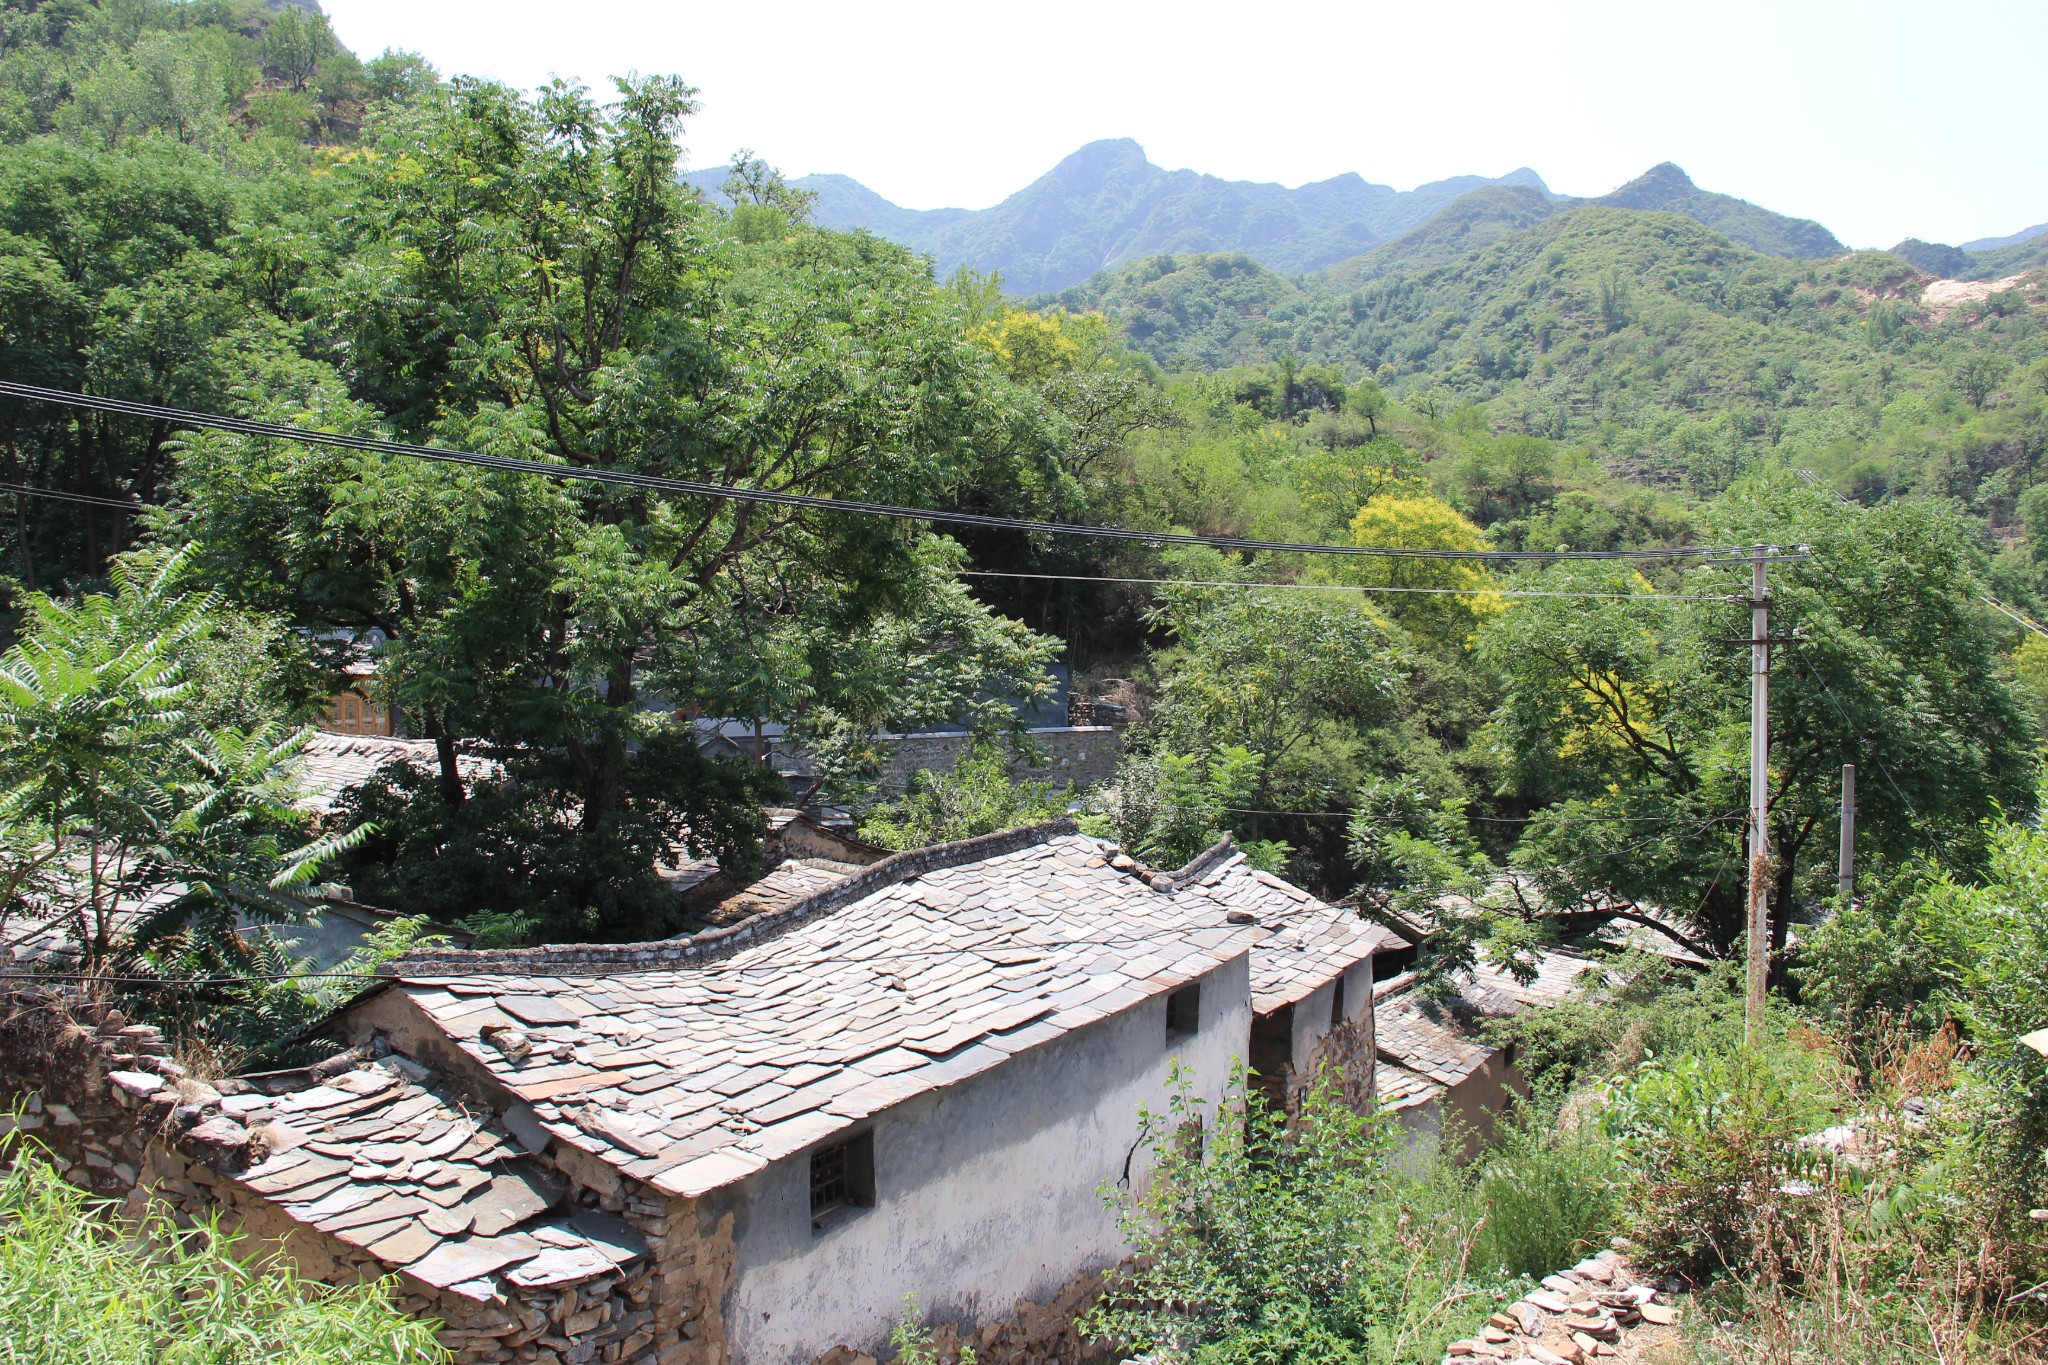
1630,716
1439,601
977,795
1976,375
295,42
529,278
123,807
1169,807
1272,672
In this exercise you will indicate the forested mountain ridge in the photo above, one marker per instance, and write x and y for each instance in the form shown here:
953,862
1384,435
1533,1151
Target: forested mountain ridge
1677,353
1106,203
1664,188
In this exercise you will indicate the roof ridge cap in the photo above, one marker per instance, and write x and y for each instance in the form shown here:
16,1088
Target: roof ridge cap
1196,867
611,959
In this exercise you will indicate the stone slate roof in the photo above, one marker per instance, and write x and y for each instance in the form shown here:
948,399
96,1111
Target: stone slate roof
690,1064
1425,1046
334,763
1307,942
791,881
1398,1088
1427,1038
376,1158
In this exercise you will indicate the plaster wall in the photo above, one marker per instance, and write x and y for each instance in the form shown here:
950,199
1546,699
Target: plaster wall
988,1193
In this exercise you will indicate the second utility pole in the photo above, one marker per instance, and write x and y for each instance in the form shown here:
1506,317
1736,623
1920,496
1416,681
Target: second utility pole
1759,918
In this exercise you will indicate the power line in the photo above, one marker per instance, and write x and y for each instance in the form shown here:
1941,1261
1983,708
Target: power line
2023,620
1346,587
61,496
774,497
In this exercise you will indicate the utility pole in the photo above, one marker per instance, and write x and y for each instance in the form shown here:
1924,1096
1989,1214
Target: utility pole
1759,919
1848,864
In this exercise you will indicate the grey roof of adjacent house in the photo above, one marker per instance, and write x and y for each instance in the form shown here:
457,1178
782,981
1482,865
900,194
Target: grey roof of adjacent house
1306,944
331,764
378,1158
690,1064
1426,1045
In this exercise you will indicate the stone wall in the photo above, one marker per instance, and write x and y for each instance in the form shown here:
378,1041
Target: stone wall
119,1117
1035,1334
1076,754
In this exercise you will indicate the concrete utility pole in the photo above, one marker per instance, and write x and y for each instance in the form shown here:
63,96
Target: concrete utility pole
1848,865
1759,919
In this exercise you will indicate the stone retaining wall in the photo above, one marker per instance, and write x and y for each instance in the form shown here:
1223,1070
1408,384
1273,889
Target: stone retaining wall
1080,755
120,1118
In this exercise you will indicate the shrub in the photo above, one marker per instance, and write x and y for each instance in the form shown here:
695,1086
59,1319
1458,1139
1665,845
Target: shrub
1259,1242
75,1291
1551,1195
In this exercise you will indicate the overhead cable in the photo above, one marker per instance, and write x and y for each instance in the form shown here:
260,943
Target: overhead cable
60,495
1351,587
775,497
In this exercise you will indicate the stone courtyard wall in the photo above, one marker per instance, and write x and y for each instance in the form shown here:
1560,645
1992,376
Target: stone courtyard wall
1076,754
117,1116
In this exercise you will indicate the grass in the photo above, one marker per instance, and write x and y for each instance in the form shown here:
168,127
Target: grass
78,1289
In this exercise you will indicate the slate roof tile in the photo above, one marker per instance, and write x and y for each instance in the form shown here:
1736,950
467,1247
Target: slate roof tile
920,982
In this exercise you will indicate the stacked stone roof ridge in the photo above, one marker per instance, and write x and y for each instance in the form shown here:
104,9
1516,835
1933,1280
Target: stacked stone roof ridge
607,959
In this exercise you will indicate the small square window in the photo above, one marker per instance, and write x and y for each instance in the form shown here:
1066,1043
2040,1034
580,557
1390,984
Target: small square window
1184,1012
842,1177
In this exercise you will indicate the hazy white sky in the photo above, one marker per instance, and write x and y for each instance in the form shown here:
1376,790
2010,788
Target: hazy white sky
1879,118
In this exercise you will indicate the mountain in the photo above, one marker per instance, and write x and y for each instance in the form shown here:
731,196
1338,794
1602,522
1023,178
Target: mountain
1993,243
1470,222
1590,320
1665,188
1108,204
1988,258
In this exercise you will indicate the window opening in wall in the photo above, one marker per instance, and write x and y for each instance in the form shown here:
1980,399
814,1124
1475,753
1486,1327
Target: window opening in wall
1184,1011
842,1178
1337,1002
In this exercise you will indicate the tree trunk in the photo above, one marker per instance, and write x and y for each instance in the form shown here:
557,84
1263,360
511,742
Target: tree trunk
452,791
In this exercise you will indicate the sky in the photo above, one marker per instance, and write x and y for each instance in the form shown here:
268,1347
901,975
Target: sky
1883,120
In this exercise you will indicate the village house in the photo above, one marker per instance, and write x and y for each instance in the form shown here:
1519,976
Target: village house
1437,1072
750,1145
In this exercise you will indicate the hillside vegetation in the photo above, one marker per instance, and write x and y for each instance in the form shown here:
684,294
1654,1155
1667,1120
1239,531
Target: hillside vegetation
214,206
1675,354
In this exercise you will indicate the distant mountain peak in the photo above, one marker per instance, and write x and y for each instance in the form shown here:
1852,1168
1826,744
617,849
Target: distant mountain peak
1106,202
1665,188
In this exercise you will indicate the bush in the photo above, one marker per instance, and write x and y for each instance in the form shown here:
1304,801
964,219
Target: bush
1291,1246
1551,1195
75,1291
1710,1140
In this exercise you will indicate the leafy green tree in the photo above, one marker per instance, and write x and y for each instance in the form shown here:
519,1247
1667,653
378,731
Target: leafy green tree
528,277
128,809
1168,808
1272,672
977,795
1628,718
295,42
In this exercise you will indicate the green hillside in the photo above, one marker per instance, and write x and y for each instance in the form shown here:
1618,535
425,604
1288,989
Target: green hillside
1676,352
1665,188
1997,262
1472,221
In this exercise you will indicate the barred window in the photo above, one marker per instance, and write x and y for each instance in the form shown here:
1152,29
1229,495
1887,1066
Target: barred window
842,1177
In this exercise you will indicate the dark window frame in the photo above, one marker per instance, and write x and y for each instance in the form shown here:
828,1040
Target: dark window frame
1337,999
842,1179
1184,1012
